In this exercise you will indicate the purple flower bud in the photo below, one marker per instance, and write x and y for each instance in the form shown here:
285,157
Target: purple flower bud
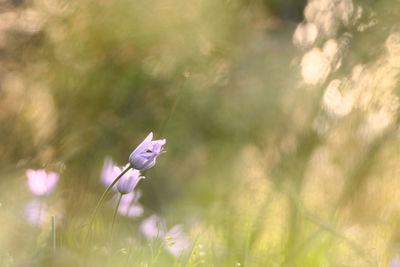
41,182
129,181
144,156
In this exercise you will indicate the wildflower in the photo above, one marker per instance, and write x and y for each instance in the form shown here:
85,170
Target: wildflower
177,243
129,205
41,182
395,262
144,156
175,240
152,227
35,212
109,172
129,181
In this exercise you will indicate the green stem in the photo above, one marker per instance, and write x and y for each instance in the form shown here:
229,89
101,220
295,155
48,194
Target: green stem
114,216
330,228
103,197
171,111
53,233
353,245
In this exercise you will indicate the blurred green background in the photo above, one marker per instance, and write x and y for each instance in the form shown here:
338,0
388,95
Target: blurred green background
281,120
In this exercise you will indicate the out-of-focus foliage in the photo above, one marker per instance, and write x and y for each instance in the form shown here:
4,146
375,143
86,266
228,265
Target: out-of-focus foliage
281,120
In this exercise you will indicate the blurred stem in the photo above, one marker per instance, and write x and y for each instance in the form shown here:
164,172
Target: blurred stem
160,245
115,216
128,256
53,233
103,197
171,111
330,228
189,257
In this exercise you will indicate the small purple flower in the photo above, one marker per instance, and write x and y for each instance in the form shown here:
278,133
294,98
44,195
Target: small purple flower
129,181
41,182
35,212
153,227
129,205
109,172
177,243
175,240
395,262
144,156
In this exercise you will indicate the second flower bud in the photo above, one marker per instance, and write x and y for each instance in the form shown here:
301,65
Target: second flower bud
128,182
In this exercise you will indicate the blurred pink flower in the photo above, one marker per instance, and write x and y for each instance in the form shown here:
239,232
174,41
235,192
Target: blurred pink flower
41,182
395,262
177,242
109,172
130,206
35,212
144,156
153,227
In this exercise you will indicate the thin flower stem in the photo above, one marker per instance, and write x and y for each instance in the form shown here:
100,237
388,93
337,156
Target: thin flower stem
53,233
353,245
330,228
102,199
115,216
173,106
129,255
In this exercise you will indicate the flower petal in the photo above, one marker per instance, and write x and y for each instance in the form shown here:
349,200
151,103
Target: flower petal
143,145
108,173
52,179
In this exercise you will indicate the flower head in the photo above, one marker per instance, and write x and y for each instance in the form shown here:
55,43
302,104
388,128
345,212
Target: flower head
129,205
41,182
129,181
177,242
109,172
153,227
395,262
35,212
144,156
